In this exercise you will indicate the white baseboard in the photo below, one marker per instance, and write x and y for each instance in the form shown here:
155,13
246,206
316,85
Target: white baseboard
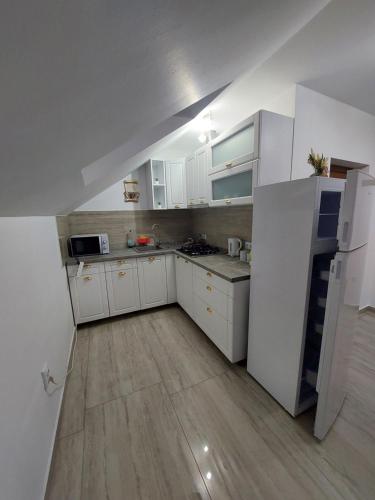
57,422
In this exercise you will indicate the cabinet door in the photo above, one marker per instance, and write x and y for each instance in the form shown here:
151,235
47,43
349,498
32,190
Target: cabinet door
171,278
176,183
152,281
201,174
236,146
89,297
184,282
123,291
190,180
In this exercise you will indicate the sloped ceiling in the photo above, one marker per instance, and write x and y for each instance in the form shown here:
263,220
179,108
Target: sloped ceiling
82,78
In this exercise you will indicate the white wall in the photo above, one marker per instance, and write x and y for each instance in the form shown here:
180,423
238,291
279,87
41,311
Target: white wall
340,131
113,197
36,326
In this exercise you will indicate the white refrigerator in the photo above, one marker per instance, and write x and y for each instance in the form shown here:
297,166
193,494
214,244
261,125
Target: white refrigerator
309,249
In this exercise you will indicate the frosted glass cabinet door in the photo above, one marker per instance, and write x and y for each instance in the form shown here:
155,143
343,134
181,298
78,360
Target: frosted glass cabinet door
236,146
234,186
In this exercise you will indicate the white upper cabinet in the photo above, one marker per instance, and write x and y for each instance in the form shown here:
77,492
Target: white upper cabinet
197,176
176,183
235,146
152,281
156,184
256,152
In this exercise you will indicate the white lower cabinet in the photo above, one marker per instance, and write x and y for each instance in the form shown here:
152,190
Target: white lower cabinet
184,283
152,281
219,307
170,267
123,291
89,297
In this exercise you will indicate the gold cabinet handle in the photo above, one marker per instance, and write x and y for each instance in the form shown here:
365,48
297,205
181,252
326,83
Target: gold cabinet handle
186,261
228,165
122,274
209,288
209,310
87,278
120,262
177,206
86,266
151,259
209,274
178,256
228,202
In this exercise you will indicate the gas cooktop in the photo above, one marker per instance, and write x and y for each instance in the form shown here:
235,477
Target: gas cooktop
196,249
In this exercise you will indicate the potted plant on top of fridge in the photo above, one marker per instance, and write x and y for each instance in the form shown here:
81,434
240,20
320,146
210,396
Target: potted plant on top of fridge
319,164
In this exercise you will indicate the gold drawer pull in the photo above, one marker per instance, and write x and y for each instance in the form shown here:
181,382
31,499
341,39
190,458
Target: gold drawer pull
151,259
209,310
120,262
122,274
209,274
228,165
87,266
177,206
228,202
209,288
186,261
87,278
178,256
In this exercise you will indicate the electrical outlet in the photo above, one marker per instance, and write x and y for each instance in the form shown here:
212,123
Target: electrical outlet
45,376
247,245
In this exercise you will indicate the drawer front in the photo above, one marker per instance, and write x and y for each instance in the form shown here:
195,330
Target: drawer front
212,296
214,325
211,279
94,268
120,264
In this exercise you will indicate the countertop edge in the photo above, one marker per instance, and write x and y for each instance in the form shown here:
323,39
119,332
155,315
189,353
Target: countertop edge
127,255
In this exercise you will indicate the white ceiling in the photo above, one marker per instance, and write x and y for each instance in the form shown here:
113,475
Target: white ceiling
81,78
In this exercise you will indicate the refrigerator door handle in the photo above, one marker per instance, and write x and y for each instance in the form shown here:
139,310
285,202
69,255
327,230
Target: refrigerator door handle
345,231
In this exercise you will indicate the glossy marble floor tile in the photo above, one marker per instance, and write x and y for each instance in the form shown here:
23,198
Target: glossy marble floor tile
66,472
168,417
73,408
136,449
120,361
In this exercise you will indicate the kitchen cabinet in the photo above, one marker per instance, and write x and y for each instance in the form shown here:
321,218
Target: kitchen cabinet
176,183
184,283
123,290
170,267
156,183
234,186
89,295
196,176
255,152
221,309
152,281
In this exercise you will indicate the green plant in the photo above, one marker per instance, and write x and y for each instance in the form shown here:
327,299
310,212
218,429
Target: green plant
319,163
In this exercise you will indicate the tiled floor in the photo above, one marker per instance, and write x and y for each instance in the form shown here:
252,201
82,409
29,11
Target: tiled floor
153,410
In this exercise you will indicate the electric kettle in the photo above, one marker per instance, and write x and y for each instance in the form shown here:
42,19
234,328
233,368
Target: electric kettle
234,247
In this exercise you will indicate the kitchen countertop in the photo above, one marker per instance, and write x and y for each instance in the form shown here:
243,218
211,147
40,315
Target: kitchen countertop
228,268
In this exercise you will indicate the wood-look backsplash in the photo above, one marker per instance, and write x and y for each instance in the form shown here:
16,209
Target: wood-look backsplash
175,225
221,223
218,224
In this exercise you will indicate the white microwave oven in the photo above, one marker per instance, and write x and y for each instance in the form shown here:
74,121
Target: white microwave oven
88,244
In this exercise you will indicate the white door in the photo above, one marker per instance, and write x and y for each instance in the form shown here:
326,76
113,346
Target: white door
355,213
201,177
89,297
190,180
184,283
176,183
341,314
123,291
152,281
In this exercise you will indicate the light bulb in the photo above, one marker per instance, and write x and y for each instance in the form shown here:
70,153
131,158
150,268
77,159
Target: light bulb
202,138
